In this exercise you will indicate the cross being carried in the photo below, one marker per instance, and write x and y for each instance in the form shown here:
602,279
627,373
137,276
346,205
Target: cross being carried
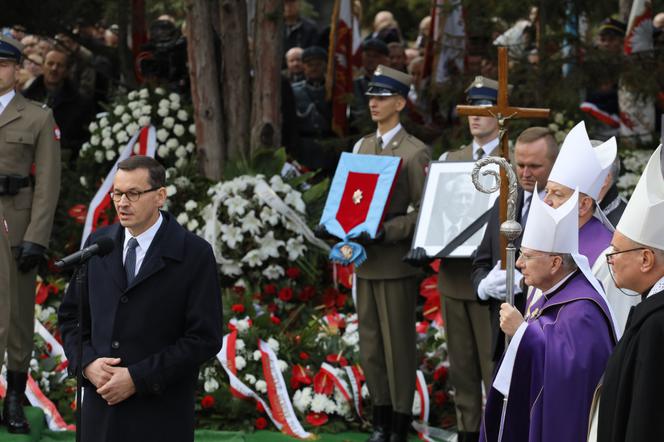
503,112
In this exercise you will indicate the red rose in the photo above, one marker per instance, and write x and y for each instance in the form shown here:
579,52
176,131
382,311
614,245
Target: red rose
286,294
237,308
259,407
270,289
307,293
440,374
304,355
275,320
292,272
337,359
440,398
272,307
317,419
239,290
260,423
207,401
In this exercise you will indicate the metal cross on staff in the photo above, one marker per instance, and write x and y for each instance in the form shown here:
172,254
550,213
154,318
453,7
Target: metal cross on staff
503,112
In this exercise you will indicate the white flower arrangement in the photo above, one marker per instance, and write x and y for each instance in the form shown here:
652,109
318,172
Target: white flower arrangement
634,162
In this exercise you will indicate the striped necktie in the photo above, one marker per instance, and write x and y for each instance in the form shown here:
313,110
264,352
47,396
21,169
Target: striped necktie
130,260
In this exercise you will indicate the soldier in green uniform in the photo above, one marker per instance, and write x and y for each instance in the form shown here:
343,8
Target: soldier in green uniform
29,138
386,286
6,286
467,321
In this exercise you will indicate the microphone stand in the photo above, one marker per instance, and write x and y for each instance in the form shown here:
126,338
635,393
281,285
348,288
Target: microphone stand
80,274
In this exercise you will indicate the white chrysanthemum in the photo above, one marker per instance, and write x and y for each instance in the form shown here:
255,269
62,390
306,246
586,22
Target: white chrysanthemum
182,182
182,218
330,406
231,268
257,355
269,216
172,143
108,143
168,122
295,247
240,362
239,344
94,140
132,95
181,152
106,132
110,154
251,224
192,225
231,235
171,190
146,110
192,129
160,91
178,130
136,113
283,366
163,151
273,272
261,386
253,259
211,385
242,325
99,156
273,344
132,128
236,205
83,181
250,378
103,122
144,121
190,205
171,172
270,245
182,115
180,163
122,137
318,403
162,111
162,135
93,126
119,110
302,399
175,105
190,147
125,118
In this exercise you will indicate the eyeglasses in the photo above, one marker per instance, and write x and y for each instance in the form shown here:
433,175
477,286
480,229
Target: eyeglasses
132,195
526,257
609,256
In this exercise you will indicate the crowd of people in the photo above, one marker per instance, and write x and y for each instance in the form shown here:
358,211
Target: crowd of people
571,323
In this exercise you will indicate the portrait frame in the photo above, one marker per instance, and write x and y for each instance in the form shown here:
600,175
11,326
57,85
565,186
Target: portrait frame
450,203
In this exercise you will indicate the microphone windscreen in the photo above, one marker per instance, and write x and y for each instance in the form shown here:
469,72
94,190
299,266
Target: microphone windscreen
105,244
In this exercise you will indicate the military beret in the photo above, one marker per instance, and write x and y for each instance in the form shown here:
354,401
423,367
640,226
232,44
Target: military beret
375,44
314,52
10,49
387,82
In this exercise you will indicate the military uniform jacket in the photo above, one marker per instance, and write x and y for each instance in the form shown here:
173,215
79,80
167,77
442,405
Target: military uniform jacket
384,260
454,273
29,135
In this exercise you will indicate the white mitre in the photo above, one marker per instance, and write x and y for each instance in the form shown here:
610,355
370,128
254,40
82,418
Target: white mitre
580,165
552,230
643,218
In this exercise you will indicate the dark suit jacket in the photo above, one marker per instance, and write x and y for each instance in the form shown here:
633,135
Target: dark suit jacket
485,258
613,205
163,326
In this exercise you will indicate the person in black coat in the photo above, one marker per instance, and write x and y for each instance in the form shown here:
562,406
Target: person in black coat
149,324
534,154
630,405
610,202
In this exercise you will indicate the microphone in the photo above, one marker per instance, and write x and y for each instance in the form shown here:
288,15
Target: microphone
101,247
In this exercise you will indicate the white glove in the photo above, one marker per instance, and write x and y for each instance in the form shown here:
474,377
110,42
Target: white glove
493,284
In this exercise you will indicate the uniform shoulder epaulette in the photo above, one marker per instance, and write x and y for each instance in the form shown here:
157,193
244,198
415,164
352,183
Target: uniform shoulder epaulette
367,136
37,103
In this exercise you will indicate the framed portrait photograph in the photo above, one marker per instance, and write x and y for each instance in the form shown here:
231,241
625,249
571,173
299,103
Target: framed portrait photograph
450,204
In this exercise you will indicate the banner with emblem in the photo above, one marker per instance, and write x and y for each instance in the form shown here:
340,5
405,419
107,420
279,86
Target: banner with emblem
359,194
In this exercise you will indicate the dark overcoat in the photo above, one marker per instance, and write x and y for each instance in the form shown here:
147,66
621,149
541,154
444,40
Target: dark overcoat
162,327
630,408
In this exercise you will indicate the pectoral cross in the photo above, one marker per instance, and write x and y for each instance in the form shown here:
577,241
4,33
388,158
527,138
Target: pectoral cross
503,112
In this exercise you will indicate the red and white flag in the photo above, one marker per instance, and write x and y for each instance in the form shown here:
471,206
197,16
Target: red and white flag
343,54
446,49
144,142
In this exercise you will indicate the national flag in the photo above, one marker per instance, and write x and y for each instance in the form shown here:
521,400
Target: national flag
447,42
343,54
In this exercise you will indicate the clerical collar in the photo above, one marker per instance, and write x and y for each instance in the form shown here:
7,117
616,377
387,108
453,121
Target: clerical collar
5,99
559,283
387,136
658,287
487,148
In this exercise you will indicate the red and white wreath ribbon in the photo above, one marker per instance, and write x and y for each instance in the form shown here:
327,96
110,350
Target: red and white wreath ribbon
356,387
423,393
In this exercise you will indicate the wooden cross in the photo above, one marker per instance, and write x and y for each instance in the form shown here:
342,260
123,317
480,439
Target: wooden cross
503,112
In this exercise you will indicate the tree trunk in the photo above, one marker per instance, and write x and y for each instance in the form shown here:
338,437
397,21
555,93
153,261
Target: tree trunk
236,84
266,104
126,57
205,94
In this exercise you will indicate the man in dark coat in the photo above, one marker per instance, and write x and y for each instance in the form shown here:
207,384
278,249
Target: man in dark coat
534,155
610,202
72,112
147,325
630,405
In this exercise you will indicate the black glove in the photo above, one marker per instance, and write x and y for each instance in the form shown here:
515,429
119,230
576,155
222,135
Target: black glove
366,240
321,232
29,255
417,257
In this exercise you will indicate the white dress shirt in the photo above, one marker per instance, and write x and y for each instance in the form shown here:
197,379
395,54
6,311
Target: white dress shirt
144,241
487,148
5,99
387,137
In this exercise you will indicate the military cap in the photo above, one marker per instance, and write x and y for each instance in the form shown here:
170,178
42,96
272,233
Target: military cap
314,52
375,44
612,26
482,91
10,49
387,82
